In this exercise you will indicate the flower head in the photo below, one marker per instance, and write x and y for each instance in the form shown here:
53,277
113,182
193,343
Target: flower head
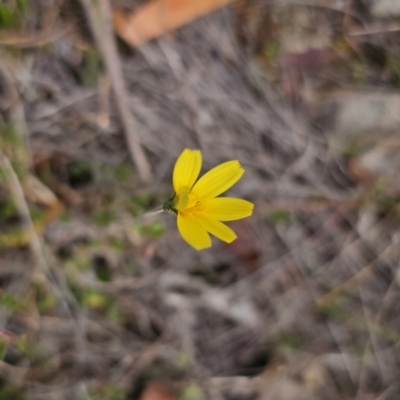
198,209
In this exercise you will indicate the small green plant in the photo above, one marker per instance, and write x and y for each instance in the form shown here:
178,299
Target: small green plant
393,67
12,303
117,243
184,361
3,348
37,214
65,217
123,172
153,230
46,304
208,274
7,18
13,237
271,50
103,218
22,345
110,392
115,314
387,333
380,197
82,263
91,67
8,392
291,341
138,204
7,208
334,311
9,136
95,300
103,272
352,148
76,290
191,392
12,144
13,13
279,217
45,300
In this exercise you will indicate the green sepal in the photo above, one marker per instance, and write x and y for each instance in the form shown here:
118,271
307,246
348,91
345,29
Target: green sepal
169,205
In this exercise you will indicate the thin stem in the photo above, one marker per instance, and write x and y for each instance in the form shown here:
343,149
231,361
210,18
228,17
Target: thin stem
149,214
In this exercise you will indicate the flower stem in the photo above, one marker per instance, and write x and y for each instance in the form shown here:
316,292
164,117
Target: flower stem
149,214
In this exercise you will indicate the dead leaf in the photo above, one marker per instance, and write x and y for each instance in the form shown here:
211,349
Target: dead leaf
360,174
156,391
37,192
160,16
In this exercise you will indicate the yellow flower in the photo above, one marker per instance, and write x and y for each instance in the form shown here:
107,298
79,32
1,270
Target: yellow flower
198,209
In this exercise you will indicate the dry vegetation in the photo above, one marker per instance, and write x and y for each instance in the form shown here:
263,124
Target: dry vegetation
98,303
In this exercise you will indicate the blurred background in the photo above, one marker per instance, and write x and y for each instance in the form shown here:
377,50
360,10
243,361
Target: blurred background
97,100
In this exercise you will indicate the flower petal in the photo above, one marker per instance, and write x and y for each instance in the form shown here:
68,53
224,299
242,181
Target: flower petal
218,180
187,169
193,232
216,228
226,208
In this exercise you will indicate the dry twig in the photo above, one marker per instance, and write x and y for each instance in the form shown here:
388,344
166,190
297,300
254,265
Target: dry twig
99,15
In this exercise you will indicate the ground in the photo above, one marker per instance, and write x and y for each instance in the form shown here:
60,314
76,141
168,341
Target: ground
99,302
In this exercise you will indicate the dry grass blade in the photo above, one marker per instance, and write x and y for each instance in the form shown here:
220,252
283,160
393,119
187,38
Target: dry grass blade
23,210
375,28
24,41
17,114
99,15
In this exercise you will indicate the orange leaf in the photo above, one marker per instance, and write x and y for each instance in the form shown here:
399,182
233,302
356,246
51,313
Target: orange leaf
160,16
156,391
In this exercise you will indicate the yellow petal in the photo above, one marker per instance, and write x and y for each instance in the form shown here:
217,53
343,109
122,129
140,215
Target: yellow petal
186,170
226,208
193,232
216,228
218,180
